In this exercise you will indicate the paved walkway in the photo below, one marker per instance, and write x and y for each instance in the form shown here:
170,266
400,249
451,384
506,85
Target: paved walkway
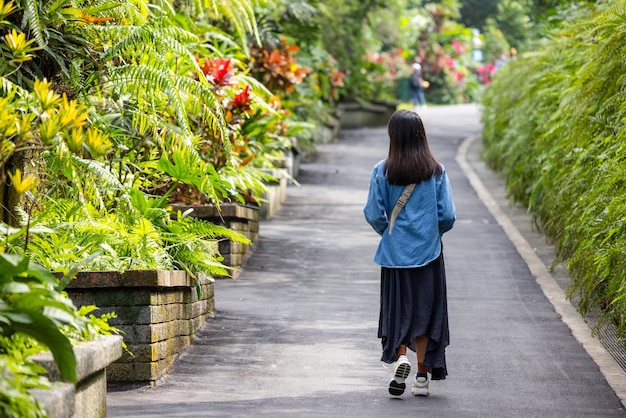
295,334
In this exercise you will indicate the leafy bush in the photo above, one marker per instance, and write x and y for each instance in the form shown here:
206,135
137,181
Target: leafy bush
35,315
555,126
144,124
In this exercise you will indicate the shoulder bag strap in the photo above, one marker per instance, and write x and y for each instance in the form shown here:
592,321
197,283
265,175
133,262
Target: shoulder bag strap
400,204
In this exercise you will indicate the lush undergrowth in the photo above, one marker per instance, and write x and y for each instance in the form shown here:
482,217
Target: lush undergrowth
554,124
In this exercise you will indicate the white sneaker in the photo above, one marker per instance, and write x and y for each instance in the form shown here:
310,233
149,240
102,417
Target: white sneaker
420,386
401,370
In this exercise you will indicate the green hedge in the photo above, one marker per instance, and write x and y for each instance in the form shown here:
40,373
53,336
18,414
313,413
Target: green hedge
554,125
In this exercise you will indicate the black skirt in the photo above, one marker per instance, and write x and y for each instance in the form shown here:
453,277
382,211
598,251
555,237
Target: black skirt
413,302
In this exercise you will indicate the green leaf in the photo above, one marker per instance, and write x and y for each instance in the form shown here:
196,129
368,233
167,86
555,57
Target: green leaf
12,265
14,287
184,167
46,332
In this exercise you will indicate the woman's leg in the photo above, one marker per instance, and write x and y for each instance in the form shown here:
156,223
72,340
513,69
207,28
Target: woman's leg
421,343
401,370
420,384
401,351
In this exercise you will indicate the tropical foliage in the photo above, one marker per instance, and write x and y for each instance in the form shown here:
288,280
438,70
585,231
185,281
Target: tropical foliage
110,114
113,114
554,124
521,22
35,315
135,129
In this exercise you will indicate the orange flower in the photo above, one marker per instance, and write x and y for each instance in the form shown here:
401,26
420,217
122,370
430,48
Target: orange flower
337,78
94,20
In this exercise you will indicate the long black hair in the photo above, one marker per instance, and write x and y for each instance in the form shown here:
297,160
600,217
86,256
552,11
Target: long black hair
409,160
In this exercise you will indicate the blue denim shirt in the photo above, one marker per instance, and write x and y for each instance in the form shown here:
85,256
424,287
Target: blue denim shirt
416,239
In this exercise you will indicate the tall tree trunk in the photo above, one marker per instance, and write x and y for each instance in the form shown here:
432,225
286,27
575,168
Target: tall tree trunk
9,198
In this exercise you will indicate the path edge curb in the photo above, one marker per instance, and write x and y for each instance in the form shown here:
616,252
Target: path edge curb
613,373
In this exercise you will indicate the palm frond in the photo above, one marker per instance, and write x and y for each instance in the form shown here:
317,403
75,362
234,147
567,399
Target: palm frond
204,229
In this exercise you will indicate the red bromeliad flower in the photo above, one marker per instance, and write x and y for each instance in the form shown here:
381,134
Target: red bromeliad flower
242,100
217,71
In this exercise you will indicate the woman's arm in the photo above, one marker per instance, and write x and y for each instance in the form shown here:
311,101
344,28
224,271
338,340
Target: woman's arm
446,211
374,211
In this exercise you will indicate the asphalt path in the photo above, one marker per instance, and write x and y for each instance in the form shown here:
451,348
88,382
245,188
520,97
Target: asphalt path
295,333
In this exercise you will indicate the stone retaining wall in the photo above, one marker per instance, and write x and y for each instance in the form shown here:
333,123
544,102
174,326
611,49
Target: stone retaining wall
360,115
275,195
88,398
158,311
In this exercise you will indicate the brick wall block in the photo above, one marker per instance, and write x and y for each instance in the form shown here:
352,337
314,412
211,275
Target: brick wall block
156,322
118,296
88,280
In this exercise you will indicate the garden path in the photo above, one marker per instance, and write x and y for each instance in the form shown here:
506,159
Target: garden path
295,333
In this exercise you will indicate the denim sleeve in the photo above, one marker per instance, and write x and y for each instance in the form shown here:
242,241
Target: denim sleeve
446,211
374,210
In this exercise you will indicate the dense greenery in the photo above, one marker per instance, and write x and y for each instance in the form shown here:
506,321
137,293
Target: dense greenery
113,113
147,117
36,315
521,21
376,47
554,124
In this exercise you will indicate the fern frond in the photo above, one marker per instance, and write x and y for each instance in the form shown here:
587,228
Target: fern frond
211,109
204,229
139,79
155,33
109,33
98,7
31,11
100,171
241,14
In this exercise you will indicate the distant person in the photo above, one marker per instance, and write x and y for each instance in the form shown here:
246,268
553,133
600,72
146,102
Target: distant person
502,60
417,83
413,299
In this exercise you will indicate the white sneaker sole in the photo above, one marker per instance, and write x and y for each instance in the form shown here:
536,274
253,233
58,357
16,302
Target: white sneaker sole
397,385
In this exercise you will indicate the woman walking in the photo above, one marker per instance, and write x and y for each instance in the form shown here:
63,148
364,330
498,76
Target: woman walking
410,206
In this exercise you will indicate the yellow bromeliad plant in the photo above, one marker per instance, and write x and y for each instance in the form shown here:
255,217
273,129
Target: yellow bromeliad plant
95,163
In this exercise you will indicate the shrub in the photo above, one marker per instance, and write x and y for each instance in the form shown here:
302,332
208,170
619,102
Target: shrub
555,126
35,315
